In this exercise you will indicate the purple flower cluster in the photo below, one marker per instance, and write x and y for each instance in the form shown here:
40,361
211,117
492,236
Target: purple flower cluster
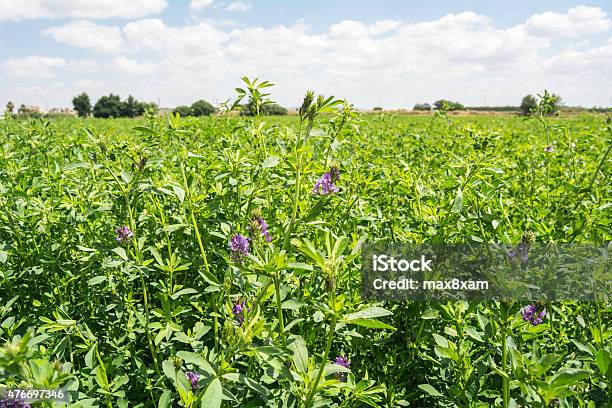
238,311
124,234
344,362
325,184
193,378
549,149
520,253
239,247
533,315
259,224
7,402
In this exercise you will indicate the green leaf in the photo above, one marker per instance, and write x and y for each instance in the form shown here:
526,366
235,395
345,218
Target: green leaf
372,324
180,193
146,130
567,377
458,203
197,360
300,353
213,396
241,378
96,280
121,252
440,340
368,313
165,401
270,161
430,390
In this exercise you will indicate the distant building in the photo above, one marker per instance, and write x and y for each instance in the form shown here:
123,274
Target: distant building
63,111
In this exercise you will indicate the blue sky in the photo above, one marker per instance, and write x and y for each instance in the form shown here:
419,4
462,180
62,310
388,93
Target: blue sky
391,53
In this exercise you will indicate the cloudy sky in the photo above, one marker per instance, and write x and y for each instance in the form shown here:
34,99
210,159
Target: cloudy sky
390,53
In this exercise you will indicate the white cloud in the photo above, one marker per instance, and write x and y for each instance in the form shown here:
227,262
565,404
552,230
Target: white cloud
17,10
90,84
464,57
239,6
33,66
198,5
133,67
577,21
85,34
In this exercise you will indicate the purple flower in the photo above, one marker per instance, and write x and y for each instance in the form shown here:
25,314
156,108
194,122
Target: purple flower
520,253
193,378
344,362
124,234
325,184
259,224
8,402
239,247
549,149
532,315
238,311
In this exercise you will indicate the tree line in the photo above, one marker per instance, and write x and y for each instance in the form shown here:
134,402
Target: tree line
111,106
529,104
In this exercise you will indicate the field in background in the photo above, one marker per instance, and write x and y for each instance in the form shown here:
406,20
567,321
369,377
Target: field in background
123,319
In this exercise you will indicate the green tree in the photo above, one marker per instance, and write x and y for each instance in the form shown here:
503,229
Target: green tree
202,108
22,109
267,109
528,105
10,107
443,104
82,104
108,107
182,110
422,107
131,107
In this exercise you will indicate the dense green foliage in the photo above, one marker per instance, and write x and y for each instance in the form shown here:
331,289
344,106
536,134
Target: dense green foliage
128,319
269,109
112,106
82,104
445,105
198,108
422,107
528,104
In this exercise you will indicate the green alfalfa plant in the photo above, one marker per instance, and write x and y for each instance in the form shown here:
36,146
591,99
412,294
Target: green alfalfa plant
332,263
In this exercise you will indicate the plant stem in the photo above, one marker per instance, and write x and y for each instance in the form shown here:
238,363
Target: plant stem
330,337
281,322
505,382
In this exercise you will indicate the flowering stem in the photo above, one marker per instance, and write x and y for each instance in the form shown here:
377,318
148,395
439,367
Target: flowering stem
298,180
505,382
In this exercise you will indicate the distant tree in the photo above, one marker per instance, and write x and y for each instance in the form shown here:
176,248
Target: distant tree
274,109
422,107
528,105
130,107
82,105
10,107
202,108
22,109
108,107
182,110
267,109
377,108
150,107
443,104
